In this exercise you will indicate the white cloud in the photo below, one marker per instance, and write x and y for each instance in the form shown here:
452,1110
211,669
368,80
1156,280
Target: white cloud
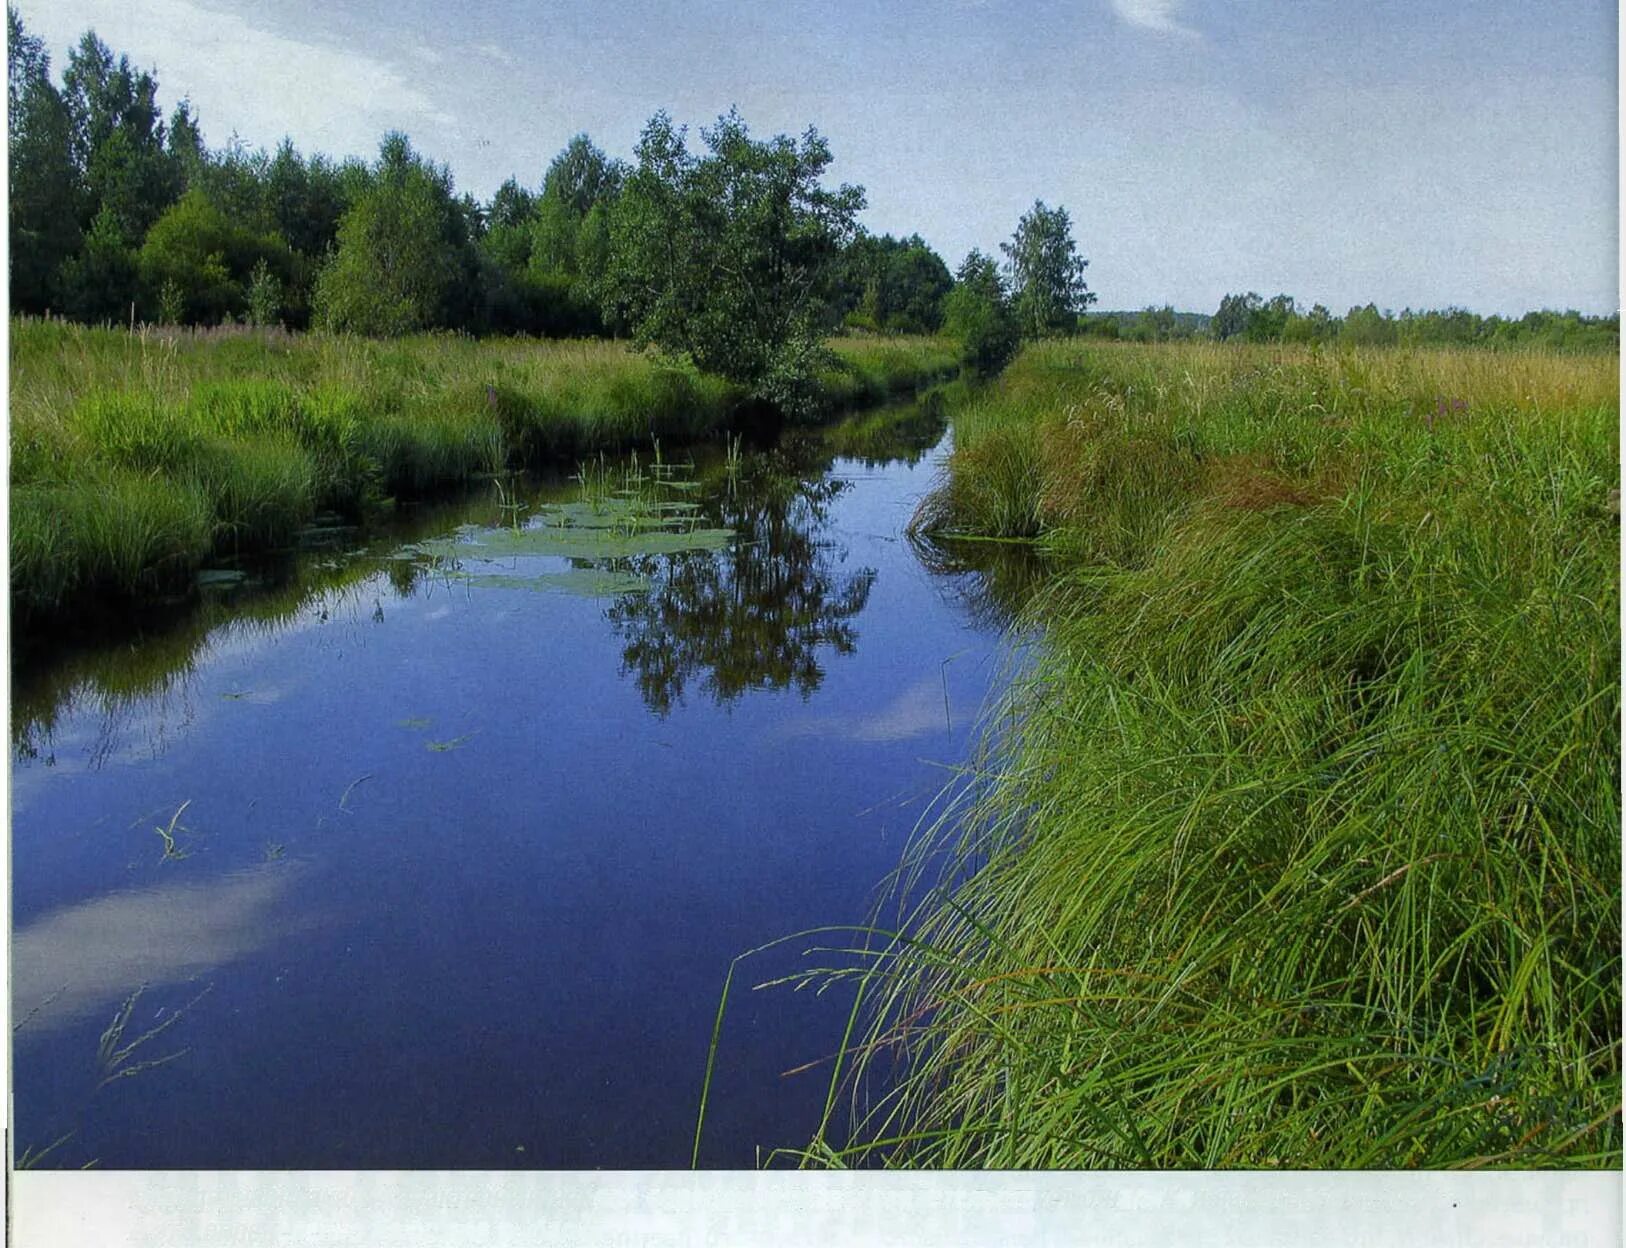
87,956
245,78
916,712
1158,15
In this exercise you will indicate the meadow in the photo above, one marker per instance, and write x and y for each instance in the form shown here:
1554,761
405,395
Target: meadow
1296,841
136,457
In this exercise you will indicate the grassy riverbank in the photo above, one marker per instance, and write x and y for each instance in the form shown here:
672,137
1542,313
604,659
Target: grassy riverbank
1301,844
137,457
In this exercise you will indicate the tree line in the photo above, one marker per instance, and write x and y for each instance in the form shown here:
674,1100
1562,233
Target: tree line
732,253
1252,318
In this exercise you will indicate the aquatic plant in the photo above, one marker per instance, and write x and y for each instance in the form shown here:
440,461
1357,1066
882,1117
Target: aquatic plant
112,1063
444,747
113,1054
172,848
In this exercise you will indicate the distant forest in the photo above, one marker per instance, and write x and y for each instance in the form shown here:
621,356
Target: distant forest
119,215
1251,318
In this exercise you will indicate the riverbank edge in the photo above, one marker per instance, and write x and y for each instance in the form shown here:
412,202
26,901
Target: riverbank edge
1180,924
136,459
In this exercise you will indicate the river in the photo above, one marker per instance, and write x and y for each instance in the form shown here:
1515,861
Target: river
432,847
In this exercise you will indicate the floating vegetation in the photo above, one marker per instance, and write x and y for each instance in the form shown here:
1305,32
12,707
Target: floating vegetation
586,582
622,513
31,1157
573,542
344,798
442,747
326,535
216,578
112,1061
116,1058
34,1013
171,849
417,724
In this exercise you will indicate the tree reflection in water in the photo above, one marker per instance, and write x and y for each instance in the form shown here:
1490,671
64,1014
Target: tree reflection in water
761,614
765,613
992,581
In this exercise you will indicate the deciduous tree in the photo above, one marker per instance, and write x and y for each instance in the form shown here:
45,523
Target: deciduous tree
118,138
1235,314
1046,272
45,202
894,284
208,260
403,261
728,258
978,313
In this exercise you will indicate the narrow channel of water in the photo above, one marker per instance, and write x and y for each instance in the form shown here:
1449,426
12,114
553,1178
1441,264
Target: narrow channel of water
435,852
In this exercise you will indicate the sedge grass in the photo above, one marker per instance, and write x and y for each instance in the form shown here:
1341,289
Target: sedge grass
1297,843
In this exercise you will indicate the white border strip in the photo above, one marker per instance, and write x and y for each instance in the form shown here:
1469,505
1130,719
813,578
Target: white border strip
437,1209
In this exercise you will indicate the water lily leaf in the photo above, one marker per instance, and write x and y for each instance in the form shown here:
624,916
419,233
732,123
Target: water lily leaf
588,582
574,543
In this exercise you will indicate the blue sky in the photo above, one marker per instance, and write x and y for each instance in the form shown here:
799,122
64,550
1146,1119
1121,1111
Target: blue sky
1416,153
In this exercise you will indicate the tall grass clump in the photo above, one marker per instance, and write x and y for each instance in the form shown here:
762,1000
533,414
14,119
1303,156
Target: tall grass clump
1298,842
113,535
262,488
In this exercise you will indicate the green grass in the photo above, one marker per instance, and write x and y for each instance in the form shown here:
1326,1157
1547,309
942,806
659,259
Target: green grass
873,370
111,532
137,457
1297,842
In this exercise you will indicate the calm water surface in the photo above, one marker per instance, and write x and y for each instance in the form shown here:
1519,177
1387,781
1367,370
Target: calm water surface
435,852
